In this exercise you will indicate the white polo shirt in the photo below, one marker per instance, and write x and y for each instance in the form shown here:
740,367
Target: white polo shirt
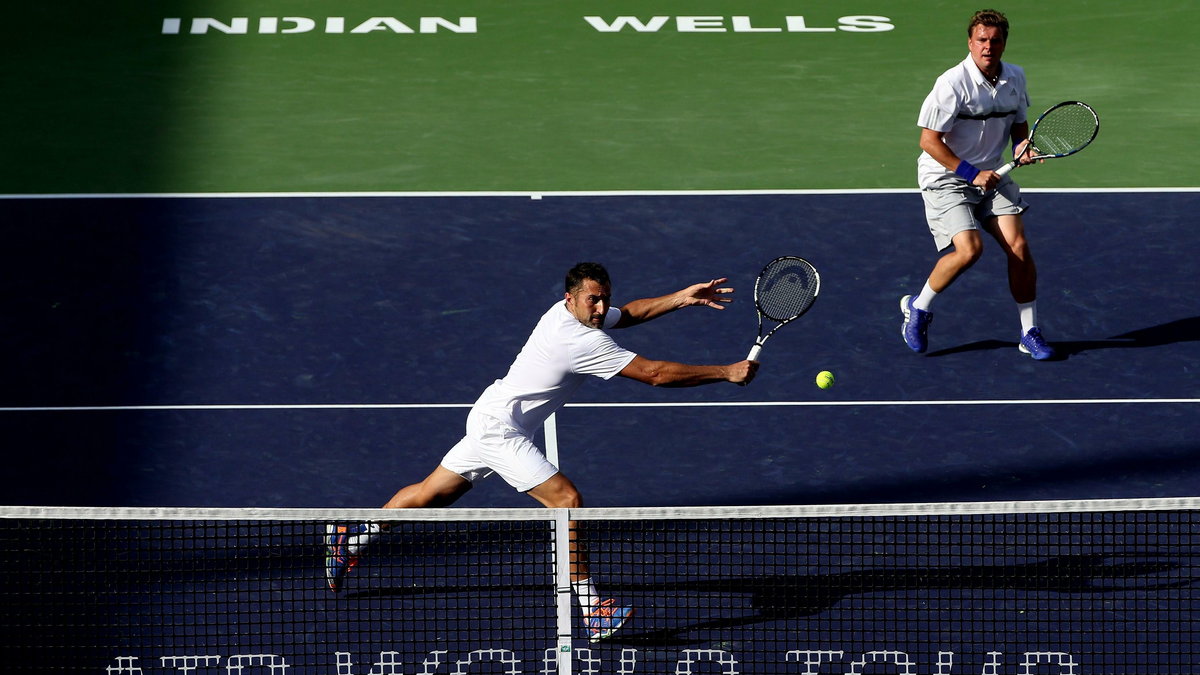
556,360
975,116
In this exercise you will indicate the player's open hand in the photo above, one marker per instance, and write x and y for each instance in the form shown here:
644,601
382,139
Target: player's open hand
709,294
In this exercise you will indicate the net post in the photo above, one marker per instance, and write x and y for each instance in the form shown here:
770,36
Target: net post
562,585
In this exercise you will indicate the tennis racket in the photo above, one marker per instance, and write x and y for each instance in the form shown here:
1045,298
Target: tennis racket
785,289
1062,130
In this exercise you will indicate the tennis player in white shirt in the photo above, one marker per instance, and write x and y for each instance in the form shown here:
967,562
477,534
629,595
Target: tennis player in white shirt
976,110
569,344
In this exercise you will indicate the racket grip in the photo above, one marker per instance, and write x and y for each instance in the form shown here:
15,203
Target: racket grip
754,351
1003,171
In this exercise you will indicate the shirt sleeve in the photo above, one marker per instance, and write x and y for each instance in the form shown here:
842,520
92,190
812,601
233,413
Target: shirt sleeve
940,109
595,353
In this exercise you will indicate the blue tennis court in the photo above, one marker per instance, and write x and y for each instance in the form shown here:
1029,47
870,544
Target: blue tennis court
316,351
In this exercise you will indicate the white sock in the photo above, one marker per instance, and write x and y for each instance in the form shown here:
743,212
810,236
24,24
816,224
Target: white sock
585,591
925,298
1028,312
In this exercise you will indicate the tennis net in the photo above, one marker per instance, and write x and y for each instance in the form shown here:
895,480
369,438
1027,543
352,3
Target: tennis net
1095,587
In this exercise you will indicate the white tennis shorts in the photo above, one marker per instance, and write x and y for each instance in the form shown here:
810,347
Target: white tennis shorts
492,446
953,206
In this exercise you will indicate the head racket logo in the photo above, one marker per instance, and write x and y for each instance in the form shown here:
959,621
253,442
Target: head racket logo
786,287
793,279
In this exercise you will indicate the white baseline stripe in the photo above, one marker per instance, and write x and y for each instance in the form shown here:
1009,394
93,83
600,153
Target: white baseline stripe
685,404
822,404
537,194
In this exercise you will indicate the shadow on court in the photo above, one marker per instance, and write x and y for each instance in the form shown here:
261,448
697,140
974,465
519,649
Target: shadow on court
795,596
776,597
1174,332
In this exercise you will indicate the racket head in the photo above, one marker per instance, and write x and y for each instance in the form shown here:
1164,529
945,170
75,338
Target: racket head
1064,129
786,288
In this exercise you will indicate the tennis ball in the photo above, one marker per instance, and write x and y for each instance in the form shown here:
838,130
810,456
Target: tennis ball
824,379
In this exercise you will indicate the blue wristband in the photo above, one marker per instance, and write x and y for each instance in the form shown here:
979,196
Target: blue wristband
967,171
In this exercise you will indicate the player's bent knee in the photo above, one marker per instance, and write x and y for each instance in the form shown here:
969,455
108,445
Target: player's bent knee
567,499
970,252
558,493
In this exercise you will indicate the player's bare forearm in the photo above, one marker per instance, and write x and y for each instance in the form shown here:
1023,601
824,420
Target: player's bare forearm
933,143
1019,132
673,374
1020,139
708,294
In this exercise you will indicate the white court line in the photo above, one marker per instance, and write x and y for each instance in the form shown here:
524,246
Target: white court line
541,194
683,404
820,404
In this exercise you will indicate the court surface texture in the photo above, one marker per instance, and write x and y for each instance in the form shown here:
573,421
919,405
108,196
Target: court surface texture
300,351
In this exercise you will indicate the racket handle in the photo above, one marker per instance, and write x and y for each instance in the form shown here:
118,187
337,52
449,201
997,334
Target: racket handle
1003,171
753,356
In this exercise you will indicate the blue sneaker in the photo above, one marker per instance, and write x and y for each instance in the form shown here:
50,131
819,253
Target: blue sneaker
342,544
915,326
1034,344
605,619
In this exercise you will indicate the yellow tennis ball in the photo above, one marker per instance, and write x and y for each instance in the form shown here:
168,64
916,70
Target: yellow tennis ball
825,379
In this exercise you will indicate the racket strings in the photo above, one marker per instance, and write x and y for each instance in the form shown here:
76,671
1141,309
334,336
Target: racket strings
1065,130
787,290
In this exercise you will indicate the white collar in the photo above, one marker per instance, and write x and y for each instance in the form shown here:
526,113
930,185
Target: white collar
978,75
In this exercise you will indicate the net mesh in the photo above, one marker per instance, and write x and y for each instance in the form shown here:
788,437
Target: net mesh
949,589
1065,129
786,288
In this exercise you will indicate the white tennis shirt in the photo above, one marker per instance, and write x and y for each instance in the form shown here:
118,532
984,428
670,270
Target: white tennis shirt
975,116
556,360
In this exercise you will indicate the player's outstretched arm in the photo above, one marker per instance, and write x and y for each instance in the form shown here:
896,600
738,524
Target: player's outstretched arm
672,374
708,294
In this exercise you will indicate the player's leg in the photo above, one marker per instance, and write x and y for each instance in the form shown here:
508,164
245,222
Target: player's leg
558,492
968,248
524,466
521,463
950,214
512,454
442,487
344,544
601,616
1009,232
